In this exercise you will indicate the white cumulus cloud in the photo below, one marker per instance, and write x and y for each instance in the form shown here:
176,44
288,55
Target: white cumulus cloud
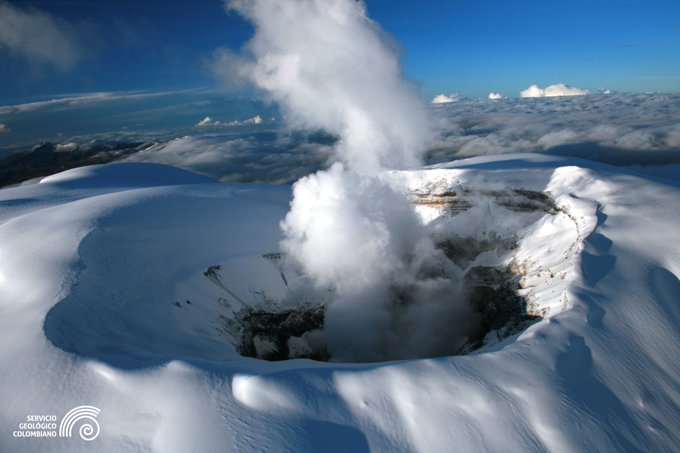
38,36
494,96
559,89
445,99
257,119
208,121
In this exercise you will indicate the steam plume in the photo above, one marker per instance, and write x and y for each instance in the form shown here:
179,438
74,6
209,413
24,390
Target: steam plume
329,66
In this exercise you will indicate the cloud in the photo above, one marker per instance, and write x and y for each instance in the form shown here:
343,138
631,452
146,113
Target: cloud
616,128
558,138
257,119
38,37
445,99
4,128
494,96
207,121
261,158
229,67
132,117
80,99
560,89
619,129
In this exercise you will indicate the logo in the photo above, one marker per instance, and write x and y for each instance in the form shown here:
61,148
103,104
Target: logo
88,430
84,418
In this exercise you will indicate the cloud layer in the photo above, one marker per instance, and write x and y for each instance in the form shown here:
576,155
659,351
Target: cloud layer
619,129
38,37
247,157
560,89
622,129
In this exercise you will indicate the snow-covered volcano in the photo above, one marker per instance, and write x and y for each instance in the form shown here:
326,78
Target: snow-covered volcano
121,285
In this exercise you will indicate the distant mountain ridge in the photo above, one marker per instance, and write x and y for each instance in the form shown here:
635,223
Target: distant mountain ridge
47,158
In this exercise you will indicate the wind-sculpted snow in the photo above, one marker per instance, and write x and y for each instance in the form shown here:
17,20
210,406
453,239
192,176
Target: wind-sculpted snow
106,302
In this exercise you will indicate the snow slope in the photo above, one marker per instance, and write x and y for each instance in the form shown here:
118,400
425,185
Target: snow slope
104,301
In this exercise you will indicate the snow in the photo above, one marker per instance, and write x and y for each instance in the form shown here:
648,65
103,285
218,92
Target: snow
104,302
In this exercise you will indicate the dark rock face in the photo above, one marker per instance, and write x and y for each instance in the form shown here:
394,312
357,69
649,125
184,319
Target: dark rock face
493,294
276,328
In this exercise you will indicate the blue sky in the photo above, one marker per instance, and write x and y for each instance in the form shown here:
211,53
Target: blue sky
471,47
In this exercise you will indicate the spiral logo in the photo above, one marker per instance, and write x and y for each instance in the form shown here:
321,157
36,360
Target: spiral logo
87,415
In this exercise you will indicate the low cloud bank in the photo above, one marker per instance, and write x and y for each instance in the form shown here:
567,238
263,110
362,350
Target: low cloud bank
258,158
619,129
